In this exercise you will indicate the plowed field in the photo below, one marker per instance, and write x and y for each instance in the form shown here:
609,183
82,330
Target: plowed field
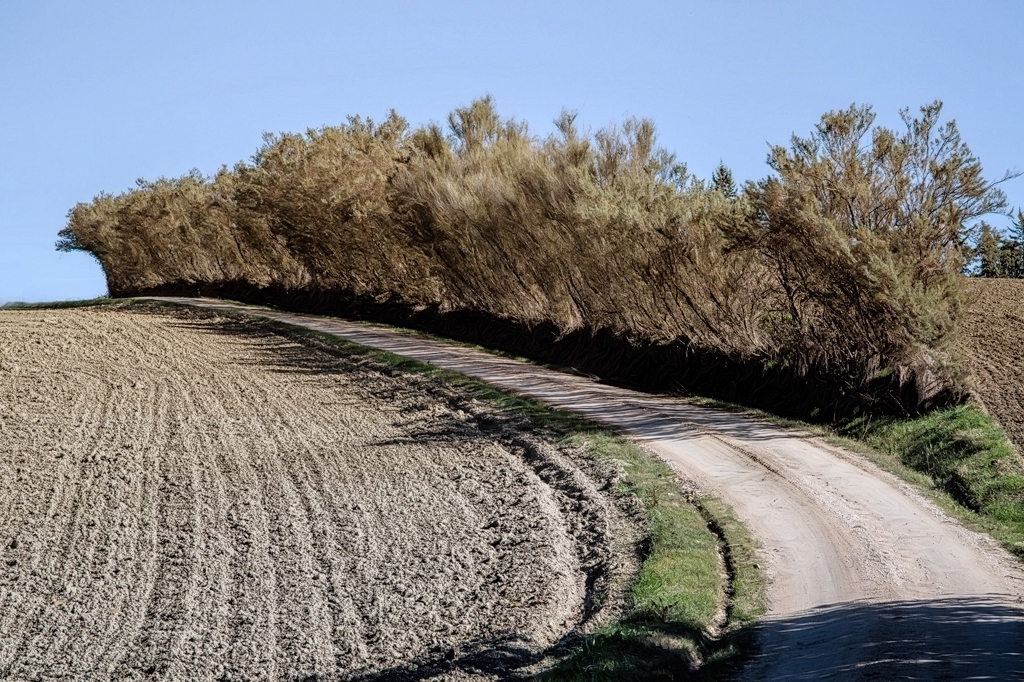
992,339
184,496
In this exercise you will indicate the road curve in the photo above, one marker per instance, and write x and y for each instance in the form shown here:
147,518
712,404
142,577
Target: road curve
867,579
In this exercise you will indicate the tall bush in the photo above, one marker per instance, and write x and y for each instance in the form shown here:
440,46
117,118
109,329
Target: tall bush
865,232
840,270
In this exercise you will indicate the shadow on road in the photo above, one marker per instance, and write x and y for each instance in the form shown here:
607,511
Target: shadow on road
959,638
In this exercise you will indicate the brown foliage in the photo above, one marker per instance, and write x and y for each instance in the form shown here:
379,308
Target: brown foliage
844,264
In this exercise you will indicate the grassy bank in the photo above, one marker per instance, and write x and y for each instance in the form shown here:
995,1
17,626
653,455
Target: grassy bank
699,583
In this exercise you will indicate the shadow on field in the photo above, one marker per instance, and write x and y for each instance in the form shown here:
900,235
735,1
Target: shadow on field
632,651
494,659
657,416
957,638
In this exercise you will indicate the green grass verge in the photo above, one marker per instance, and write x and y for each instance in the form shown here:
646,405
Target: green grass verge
686,610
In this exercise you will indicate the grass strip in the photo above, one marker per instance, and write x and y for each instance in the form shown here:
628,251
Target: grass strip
697,587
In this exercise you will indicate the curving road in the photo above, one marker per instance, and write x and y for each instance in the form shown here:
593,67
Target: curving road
867,579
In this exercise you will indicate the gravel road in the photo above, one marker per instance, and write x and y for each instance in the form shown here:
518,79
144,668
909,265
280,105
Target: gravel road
868,579
184,497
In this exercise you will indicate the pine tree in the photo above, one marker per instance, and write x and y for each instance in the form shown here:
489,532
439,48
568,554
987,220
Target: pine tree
722,181
1013,249
988,250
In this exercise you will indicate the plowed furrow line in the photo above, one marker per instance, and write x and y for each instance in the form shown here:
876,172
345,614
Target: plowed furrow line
334,538
192,499
252,583
61,601
131,540
330,528
303,637
99,566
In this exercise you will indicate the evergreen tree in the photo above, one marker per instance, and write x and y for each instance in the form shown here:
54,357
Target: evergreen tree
1013,249
988,251
999,255
722,181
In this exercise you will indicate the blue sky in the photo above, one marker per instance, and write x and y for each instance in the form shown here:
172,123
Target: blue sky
96,94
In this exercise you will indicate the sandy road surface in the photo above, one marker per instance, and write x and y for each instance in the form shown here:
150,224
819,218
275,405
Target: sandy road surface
183,498
869,581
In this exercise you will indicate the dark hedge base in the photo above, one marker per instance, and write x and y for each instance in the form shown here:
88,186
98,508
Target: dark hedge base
675,367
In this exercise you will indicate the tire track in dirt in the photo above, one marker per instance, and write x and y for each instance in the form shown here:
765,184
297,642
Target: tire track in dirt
868,579
190,498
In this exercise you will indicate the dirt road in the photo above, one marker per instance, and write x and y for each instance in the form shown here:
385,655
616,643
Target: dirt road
185,498
868,580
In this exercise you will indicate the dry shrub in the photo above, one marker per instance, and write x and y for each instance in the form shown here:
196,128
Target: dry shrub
866,232
842,268
186,229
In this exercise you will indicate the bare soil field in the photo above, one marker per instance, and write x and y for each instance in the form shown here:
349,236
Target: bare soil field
992,339
185,496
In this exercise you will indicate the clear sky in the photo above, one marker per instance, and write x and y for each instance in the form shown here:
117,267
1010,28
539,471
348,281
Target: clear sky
95,94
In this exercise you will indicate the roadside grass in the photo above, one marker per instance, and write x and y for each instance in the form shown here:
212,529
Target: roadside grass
699,586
